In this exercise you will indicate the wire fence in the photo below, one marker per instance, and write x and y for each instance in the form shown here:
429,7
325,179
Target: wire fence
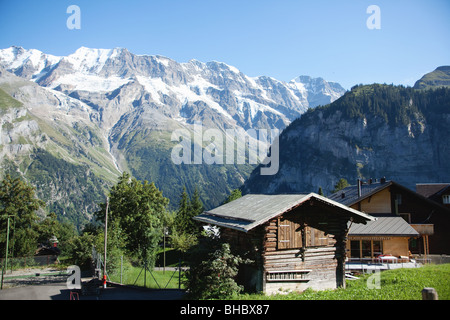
142,276
32,261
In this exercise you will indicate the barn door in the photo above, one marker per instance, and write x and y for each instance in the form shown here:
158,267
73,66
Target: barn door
289,234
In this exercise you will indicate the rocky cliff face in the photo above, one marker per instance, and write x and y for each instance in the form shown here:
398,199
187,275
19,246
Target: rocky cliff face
363,135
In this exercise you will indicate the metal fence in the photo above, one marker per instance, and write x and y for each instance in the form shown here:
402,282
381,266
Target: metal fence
145,276
433,258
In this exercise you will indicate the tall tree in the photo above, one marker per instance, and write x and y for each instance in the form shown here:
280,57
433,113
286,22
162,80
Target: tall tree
182,212
195,208
136,209
19,203
189,208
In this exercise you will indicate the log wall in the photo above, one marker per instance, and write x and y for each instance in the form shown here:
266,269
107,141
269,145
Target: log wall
317,264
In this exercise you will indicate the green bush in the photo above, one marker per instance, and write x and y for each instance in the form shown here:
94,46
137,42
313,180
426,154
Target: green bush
213,269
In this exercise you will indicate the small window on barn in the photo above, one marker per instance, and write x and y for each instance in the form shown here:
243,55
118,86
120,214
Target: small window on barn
446,199
289,234
315,237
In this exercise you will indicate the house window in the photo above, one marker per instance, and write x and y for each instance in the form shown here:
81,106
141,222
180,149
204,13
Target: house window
399,199
366,248
446,199
377,248
355,249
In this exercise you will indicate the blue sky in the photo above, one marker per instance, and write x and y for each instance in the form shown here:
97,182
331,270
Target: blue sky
282,39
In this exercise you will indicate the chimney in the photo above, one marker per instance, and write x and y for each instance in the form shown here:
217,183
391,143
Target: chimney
359,188
383,180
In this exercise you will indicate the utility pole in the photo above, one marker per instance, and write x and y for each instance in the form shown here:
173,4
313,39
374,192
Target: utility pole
106,236
164,248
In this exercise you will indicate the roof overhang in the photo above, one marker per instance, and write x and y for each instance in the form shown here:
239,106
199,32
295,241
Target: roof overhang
252,210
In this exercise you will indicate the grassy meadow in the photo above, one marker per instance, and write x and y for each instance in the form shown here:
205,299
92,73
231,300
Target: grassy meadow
399,284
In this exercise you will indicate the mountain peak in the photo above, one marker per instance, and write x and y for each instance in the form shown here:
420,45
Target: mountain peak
28,62
91,60
440,77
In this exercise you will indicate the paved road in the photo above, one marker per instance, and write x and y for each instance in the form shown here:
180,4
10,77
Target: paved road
50,284
59,291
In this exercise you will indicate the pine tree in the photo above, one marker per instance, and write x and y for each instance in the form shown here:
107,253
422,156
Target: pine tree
182,212
341,184
320,191
235,194
195,208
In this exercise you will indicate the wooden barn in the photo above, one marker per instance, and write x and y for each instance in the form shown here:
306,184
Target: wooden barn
298,241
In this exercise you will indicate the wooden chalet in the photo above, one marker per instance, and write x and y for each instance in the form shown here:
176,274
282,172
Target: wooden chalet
298,241
407,222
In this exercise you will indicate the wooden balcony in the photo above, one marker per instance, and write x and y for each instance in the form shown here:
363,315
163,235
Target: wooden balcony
424,229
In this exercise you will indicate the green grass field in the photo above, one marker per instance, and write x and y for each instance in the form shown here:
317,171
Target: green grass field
400,284
154,279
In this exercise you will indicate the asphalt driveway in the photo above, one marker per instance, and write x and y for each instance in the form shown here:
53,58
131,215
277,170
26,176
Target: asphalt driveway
59,291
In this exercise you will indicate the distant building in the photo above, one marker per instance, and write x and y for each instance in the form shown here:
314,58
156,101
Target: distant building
437,192
408,222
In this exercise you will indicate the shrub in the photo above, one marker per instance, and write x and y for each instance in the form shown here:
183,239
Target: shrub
213,269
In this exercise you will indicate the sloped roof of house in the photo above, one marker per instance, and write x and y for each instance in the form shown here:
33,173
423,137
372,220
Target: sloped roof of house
252,210
385,225
429,189
349,195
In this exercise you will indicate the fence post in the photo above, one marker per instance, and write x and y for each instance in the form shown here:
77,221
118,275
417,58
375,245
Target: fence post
179,273
429,294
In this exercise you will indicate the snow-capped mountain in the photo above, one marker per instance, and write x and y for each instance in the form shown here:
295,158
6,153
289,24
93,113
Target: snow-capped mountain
111,110
239,99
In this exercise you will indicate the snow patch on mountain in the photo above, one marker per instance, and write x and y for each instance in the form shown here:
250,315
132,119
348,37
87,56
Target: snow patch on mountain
90,82
91,60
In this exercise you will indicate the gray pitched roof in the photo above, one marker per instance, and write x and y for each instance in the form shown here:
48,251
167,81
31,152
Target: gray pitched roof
251,210
349,195
384,226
